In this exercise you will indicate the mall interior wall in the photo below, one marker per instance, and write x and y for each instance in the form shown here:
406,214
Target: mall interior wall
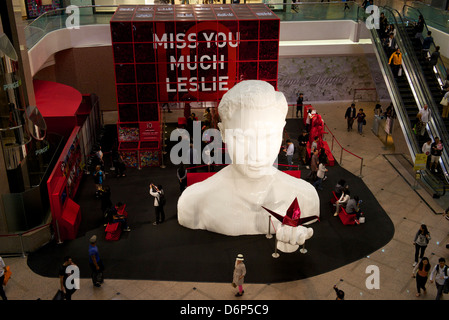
88,70
83,58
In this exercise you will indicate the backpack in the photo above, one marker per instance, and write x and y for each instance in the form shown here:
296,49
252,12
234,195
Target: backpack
444,269
161,199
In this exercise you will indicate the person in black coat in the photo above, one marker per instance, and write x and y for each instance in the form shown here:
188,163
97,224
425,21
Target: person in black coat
350,115
106,202
299,104
435,56
419,27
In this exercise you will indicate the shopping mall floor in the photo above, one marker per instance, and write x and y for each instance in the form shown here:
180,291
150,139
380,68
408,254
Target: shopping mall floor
407,204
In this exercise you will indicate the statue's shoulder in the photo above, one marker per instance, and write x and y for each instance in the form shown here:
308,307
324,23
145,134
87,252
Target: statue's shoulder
207,187
286,179
296,185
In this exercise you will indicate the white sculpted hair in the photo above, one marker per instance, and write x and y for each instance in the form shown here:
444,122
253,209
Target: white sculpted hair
252,94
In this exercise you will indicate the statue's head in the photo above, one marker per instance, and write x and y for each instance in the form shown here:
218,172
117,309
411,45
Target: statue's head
252,120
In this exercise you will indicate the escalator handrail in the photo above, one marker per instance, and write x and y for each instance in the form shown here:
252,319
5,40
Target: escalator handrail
441,69
395,95
423,94
418,80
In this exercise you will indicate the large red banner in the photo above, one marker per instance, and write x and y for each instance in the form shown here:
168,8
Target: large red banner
186,53
178,53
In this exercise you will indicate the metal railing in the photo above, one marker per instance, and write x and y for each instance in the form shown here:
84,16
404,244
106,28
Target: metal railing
343,149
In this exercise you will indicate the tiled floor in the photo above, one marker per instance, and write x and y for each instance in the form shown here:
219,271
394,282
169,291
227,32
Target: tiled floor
407,206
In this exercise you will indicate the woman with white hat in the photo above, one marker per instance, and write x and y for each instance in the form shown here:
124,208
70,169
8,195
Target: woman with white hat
239,274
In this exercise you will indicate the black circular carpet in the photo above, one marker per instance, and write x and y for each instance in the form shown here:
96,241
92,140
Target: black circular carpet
171,252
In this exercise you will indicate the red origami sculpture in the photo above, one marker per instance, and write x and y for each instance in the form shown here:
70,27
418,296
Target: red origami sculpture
293,216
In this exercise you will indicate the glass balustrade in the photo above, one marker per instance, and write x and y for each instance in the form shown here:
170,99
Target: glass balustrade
434,17
303,11
412,14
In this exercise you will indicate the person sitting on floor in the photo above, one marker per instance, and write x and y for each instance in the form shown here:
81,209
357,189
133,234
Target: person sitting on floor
120,215
342,202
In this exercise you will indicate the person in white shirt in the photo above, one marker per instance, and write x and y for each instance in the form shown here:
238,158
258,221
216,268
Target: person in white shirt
2,277
99,155
314,145
439,274
342,202
157,193
320,176
424,117
445,112
289,153
427,147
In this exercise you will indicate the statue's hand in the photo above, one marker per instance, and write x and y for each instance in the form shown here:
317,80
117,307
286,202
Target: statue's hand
291,238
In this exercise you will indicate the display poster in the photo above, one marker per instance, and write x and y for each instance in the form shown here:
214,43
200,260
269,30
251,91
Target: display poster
420,162
149,131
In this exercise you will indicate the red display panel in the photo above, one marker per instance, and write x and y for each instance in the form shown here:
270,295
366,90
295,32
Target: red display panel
187,53
149,131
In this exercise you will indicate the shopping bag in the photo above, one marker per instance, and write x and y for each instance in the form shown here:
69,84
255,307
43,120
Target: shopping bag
99,278
8,274
59,295
444,102
400,72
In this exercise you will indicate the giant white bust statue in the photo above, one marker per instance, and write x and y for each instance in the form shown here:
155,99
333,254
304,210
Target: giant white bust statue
232,201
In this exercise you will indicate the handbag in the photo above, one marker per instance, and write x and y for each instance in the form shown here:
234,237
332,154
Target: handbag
364,122
99,278
444,102
8,274
233,285
59,295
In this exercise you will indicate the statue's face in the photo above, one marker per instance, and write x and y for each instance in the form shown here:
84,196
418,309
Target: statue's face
253,139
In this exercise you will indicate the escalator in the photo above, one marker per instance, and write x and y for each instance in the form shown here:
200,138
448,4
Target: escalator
401,94
409,105
427,68
432,77
409,93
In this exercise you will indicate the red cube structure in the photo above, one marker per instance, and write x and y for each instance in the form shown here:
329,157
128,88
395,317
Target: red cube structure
184,53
